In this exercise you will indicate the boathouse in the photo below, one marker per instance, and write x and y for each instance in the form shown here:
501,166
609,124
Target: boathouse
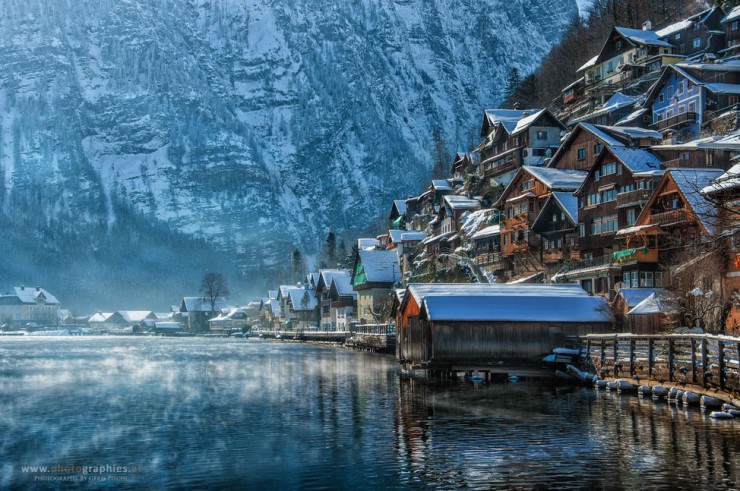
476,326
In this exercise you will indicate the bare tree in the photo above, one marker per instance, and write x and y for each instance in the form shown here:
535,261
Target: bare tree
212,287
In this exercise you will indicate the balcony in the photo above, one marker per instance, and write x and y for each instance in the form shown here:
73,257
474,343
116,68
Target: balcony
674,121
493,260
640,254
632,198
669,217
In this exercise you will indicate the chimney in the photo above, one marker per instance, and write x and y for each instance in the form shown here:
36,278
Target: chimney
515,105
647,25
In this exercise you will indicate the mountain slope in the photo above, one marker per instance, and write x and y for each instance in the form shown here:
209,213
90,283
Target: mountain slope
246,128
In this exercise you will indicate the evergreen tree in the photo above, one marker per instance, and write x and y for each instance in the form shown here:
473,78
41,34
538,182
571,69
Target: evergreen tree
331,249
297,265
512,82
441,167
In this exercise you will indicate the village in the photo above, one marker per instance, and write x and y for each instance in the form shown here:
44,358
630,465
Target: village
614,210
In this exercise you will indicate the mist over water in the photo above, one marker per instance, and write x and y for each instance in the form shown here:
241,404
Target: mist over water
215,413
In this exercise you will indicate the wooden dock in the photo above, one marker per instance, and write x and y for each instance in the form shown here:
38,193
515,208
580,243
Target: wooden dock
707,362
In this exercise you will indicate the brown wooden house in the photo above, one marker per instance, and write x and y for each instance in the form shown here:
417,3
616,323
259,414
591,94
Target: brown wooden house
557,226
731,25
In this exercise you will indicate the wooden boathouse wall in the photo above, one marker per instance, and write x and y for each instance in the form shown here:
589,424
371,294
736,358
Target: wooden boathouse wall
447,344
702,360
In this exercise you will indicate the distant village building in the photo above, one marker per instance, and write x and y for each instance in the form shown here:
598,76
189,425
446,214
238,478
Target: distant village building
198,310
28,307
374,274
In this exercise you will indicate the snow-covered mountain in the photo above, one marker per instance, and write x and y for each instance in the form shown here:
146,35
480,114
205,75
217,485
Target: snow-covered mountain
251,127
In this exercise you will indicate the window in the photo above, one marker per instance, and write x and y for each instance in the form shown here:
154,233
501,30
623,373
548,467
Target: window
581,154
630,279
526,185
680,87
541,135
735,25
592,199
609,168
581,230
631,216
608,195
661,97
597,148
596,226
597,175
677,36
692,107
696,43
647,279
609,224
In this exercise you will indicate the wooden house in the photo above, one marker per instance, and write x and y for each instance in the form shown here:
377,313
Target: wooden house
199,309
698,34
713,151
283,299
328,302
374,274
461,165
492,326
28,307
231,319
657,313
614,110
521,202
627,299
397,217
688,96
514,138
303,308
731,25
725,193
586,141
405,242
343,303
487,249
557,226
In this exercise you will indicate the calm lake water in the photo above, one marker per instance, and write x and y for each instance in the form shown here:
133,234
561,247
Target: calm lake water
218,413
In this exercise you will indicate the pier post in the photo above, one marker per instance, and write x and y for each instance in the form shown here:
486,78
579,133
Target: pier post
693,361
721,358
632,357
704,359
670,359
602,358
616,353
650,358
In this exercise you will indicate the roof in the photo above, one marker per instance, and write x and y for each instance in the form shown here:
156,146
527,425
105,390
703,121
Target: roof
727,181
508,118
633,296
441,185
673,28
284,290
136,315
299,301
617,101
690,182
413,236
588,64
723,88
655,303
367,243
327,275
100,317
636,159
201,304
733,15
400,205
569,204
343,285
514,308
458,202
31,294
558,179
380,266
527,121
642,36
490,231
634,132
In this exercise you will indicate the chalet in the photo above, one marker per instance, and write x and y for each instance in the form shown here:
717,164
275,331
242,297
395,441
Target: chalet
725,192
515,138
521,202
453,207
689,95
458,326
303,309
614,110
199,309
283,300
731,24
398,217
343,303
487,249
405,242
461,166
626,56
230,319
557,226
656,314
28,307
712,151
701,33
373,276
585,142
270,309
323,294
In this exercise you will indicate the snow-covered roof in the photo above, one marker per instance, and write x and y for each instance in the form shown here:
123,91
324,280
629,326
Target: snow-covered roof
727,181
100,317
30,295
303,299
343,285
400,205
132,316
673,28
327,275
457,202
490,231
419,291
568,203
615,102
633,296
631,117
367,243
380,266
733,15
508,118
472,221
719,66
558,179
655,303
532,278
202,304
441,185
690,182
600,132
527,121
272,294
544,307
635,228
412,236
285,290
642,36
436,238
723,88
636,159
588,64
635,132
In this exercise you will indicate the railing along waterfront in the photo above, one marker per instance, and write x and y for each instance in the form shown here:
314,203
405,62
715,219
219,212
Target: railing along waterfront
704,360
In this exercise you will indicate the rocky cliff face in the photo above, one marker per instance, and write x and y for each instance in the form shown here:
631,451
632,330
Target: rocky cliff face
244,127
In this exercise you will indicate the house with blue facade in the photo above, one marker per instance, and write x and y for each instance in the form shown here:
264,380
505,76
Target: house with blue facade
689,95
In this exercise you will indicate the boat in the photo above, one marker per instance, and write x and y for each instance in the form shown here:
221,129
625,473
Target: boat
721,415
690,398
710,402
626,386
659,392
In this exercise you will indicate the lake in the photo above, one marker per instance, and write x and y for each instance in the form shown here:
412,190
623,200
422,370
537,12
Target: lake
165,413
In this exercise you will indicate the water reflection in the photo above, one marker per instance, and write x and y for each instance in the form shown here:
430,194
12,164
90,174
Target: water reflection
213,413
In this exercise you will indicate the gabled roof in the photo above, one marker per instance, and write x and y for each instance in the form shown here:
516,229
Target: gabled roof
342,285
326,276
557,179
441,185
565,201
616,102
400,205
30,295
508,118
201,304
367,243
636,159
298,299
698,18
642,37
690,182
733,15
100,317
284,291
378,266
458,202
527,121
599,132
655,303
490,231
728,181
688,71
633,296
133,316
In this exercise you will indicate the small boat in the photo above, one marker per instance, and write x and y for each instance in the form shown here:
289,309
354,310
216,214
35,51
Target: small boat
721,415
710,402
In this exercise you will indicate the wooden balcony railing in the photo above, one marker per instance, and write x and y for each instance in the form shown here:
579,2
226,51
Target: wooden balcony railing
669,217
677,120
631,198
